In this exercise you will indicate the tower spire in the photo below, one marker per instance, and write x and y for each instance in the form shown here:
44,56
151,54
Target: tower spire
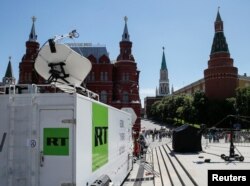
163,82
163,61
219,42
125,35
33,36
218,18
9,69
8,78
125,45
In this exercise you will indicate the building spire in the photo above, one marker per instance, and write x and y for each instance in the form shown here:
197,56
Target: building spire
8,78
218,24
125,35
163,61
219,42
9,72
218,18
163,82
33,36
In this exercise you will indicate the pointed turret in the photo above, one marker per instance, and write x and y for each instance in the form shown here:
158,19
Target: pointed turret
125,35
163,82
27,73
125,45
156,91
163,61
8,72
8,78
219,42
218,18
33,36
172,89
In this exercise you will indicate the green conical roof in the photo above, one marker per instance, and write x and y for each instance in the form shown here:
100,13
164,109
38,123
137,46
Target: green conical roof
218,18
163,61
219,41
9,70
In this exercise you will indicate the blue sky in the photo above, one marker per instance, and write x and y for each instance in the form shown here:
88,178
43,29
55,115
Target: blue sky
184,27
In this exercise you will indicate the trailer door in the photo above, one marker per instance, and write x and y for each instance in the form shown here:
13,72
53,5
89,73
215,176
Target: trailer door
56,147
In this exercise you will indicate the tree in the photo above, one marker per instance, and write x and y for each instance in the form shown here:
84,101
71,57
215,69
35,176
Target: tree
200,103
243,101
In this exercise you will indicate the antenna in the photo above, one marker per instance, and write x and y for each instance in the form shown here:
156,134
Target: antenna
57,63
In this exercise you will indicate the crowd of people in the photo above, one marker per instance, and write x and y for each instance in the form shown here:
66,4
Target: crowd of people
214,136
157,134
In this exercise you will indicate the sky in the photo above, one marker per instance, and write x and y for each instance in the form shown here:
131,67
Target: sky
184,27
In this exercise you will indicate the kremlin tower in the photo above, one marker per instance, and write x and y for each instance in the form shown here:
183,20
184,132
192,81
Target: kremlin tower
9,79
221,77
164,81
27,73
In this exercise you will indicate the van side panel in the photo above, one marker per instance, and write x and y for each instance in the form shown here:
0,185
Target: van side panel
103,142
4,138
83,140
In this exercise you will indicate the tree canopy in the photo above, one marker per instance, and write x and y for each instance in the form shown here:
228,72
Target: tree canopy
198,109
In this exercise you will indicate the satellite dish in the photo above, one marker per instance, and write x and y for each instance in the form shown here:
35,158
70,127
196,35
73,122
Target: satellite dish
57,63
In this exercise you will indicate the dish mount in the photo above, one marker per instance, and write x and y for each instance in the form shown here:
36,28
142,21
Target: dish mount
59,64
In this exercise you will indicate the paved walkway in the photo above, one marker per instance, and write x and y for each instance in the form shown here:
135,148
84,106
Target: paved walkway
161,166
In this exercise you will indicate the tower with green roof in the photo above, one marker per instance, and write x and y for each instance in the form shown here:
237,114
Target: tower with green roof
9,79
163,89
221,77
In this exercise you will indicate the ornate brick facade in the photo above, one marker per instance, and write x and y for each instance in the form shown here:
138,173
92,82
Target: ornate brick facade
27,73
116,83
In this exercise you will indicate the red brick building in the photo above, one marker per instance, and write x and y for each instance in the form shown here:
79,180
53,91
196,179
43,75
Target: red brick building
117,83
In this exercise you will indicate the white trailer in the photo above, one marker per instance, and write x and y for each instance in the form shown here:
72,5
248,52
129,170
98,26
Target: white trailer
62,139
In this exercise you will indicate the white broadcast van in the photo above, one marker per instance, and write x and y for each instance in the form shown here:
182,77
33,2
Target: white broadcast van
65,138
62,139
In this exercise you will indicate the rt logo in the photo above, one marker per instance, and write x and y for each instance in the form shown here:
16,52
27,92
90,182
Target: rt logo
101,135
57,141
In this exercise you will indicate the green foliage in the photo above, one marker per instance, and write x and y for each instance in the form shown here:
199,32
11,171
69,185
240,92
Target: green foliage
243,101
195,109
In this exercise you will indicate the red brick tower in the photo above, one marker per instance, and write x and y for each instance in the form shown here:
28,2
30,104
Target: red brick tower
221,77
126,79
27,73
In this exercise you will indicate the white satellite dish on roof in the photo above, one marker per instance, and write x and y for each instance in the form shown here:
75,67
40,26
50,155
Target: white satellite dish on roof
57,63
61,64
